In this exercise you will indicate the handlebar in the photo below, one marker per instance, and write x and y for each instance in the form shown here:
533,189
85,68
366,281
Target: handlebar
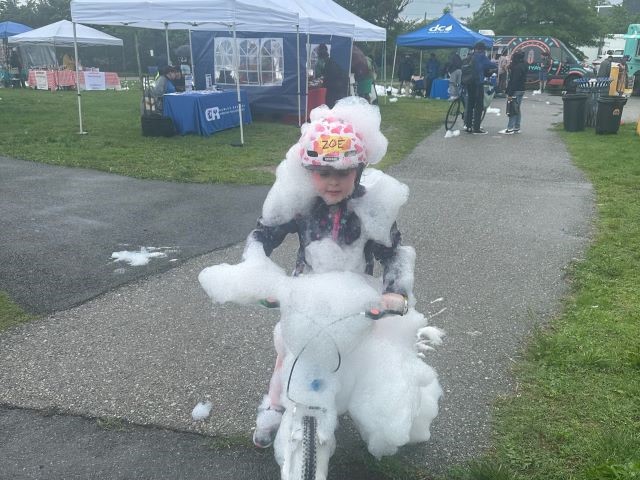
372,313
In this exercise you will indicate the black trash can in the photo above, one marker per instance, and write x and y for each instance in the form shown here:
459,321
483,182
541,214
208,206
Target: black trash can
574,111
609,113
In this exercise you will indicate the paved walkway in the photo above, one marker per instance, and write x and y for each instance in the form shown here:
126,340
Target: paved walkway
494,220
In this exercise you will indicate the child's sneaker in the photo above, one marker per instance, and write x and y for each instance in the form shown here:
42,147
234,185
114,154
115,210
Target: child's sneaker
267,424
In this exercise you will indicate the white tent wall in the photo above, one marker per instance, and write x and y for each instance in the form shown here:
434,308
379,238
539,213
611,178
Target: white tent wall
274,98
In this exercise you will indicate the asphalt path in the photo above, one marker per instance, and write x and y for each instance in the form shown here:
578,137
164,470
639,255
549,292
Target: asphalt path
494,219
60,227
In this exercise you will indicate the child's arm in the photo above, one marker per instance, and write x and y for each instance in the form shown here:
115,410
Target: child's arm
271,236
397,274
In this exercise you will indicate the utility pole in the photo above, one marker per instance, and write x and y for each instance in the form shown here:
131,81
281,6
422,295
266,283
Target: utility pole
451,5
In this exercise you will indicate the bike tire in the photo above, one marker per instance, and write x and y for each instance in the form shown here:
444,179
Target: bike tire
309,447
452,114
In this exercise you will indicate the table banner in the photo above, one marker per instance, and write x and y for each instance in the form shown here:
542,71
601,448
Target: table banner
41,80
94,81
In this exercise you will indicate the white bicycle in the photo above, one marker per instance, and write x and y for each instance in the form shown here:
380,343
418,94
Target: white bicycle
333,339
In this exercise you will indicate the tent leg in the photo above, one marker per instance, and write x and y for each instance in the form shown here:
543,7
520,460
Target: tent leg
393,70
75,51
193,70
166,39
135,38
298,70
236,69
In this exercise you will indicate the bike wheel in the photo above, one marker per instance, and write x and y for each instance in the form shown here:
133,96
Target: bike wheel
309,447
452,114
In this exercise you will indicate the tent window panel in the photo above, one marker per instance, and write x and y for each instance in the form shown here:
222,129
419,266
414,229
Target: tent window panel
271,61
223,57
260,61
248,59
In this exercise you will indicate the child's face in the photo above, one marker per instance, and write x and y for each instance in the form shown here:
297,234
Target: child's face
333,185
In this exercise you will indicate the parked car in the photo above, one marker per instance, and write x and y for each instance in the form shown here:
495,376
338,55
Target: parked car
617,57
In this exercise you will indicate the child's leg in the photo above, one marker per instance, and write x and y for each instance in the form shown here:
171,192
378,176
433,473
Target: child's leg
275,384
270,411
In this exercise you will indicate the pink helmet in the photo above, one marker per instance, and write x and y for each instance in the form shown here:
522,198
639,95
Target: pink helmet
331,142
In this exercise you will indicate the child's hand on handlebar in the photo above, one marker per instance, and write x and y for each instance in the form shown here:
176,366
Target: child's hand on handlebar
395,303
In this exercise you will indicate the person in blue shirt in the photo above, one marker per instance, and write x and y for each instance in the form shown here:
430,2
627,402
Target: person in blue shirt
475,90
164,84
432,71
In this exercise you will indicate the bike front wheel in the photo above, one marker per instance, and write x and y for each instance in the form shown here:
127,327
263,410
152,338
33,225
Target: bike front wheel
452,114
309,448
302,458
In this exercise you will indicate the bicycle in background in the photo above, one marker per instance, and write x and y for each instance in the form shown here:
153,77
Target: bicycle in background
457,107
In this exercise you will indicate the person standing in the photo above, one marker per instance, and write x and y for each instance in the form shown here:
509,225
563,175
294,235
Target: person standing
454,69
605,67
475,89
405,72
515,92
15,62
431,72
545,66
336,80
322,53
503,73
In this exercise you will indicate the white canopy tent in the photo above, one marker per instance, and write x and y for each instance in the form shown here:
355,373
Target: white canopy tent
236,15
288,16
60,34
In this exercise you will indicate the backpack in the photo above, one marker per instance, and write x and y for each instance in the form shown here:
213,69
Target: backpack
469,74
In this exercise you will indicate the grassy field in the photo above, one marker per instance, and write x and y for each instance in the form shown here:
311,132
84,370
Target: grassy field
576,412
43,127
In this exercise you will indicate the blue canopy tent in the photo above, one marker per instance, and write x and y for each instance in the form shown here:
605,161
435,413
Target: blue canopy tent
8,29
445,32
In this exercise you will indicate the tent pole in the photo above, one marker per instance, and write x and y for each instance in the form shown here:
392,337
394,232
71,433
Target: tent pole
350,64
75,51
166,39
298,70
135,38
383,65
193,70
393,68
237,72
306,107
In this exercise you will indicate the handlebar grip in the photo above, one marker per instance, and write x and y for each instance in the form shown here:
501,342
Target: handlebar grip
376,313
265,302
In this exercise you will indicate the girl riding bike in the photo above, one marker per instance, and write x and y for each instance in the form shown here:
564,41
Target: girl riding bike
345,219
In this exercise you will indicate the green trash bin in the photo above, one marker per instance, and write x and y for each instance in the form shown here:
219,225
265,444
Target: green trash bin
609,113
574,111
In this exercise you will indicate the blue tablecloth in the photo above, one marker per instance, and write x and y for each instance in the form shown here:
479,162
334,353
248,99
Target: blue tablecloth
440,88
205,112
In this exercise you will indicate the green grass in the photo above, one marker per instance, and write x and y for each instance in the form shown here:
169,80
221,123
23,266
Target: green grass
576,414
44,128
10,313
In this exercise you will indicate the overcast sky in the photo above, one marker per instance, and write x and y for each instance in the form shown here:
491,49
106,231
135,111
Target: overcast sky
433,8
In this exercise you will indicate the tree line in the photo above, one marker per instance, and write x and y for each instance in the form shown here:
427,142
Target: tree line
575,22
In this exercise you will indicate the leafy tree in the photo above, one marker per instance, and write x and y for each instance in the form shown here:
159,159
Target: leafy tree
575,22
617,19
384,13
